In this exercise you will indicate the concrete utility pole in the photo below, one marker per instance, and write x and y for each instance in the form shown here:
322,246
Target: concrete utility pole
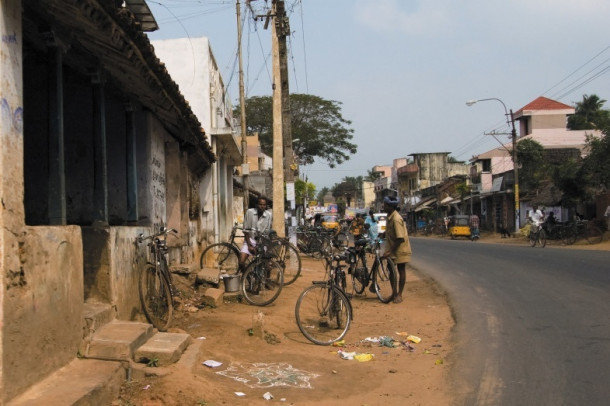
245,168
283,162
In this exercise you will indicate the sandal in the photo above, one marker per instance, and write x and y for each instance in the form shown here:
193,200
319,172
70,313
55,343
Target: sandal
397,299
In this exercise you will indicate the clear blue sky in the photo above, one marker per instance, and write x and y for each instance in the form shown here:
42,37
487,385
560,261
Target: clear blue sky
403,69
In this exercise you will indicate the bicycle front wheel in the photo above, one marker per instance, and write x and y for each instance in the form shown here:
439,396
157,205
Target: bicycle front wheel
262,282
222,256
594,235
323,314
385,279
156,297
289,259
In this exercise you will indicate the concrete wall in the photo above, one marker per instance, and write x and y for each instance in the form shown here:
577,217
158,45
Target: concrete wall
44,298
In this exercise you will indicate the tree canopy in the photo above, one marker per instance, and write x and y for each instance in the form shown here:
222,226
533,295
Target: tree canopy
589,114
318,128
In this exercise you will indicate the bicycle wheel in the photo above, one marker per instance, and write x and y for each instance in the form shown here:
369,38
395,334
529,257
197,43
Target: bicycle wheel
222,256
532,238
359,275
156,297
262,282
385,279
289,259
323,314
594,235
568,235
542,238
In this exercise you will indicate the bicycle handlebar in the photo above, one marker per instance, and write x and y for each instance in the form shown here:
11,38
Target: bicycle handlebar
162,231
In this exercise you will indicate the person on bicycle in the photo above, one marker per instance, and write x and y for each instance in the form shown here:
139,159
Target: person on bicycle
397,243
259,220
537,216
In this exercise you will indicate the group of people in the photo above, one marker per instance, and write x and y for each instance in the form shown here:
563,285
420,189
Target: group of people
397,247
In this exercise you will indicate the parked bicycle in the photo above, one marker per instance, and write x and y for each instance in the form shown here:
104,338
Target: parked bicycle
382,273
537,236
155,281
323,310
263,278
582,229
312,241
224,256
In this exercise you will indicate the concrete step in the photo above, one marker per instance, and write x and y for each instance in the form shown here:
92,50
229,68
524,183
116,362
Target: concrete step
81,382
163,348
118,340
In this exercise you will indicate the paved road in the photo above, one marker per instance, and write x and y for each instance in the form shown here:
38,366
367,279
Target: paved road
533,324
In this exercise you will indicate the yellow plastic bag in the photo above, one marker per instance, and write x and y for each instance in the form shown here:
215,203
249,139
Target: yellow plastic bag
363,357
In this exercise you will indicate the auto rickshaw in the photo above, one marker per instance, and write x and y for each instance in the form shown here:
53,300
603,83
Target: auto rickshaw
459,226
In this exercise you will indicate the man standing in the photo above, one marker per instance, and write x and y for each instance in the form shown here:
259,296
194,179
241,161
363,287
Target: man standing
257,220
397,243
474,226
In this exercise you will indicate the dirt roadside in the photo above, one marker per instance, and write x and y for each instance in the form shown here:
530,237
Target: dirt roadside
297,372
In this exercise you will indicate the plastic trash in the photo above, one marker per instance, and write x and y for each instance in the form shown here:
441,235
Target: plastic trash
211,363
364,357
267,396
414,339
240,394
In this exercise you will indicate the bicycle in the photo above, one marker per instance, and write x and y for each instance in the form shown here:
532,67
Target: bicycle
537,236
382,274
263,278
223,256
287,255
155,281
323,311
583,229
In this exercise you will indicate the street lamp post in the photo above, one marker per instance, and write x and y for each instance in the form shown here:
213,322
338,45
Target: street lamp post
515,165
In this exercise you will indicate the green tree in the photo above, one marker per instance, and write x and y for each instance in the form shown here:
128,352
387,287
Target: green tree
304,191
533,168
372,175
321,195
596,165
349,189
318,128
589,114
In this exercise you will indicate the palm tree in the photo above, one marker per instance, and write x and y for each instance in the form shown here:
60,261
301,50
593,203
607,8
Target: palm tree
588,114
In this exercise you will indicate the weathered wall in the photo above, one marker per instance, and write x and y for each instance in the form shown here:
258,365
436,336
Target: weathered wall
12,215
43,299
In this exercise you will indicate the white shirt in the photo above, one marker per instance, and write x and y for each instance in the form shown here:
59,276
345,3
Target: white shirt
537,216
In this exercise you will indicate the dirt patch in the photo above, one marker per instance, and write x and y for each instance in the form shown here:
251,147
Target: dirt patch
279,360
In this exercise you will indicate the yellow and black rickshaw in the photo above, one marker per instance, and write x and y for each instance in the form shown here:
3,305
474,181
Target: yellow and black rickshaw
459,226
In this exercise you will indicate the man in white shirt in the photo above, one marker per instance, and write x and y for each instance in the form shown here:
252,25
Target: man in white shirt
537,216
258,219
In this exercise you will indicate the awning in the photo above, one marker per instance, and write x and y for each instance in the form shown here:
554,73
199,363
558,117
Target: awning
424,205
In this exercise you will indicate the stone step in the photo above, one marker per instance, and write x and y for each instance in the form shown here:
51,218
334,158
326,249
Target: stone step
118,340
81,382
163,348
96,315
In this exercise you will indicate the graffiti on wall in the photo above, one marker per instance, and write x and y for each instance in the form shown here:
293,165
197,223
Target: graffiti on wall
11,118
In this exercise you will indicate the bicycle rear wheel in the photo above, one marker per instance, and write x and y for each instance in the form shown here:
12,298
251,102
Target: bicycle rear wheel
156,297
222,256
262,282
385,279
594,235
289,259
542,238
323,314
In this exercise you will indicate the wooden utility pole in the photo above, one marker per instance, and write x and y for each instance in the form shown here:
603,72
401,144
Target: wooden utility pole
245,168
283,162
